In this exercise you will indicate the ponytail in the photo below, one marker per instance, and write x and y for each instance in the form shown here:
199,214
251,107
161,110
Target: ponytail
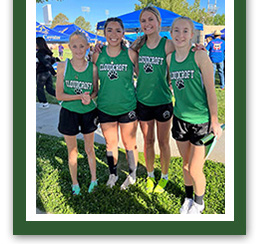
139,42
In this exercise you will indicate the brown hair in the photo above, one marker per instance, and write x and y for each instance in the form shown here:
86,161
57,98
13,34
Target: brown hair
141,40
114,19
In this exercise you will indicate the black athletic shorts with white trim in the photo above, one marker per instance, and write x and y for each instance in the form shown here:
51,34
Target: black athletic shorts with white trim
160,113
184,131
123,118
71,123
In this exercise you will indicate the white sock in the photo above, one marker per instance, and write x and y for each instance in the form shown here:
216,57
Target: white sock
164,176
151,174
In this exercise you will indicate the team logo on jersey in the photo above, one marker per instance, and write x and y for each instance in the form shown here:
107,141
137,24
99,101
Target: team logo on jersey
78,90
179,84
217,46
112,74
132,114
148,68
166,114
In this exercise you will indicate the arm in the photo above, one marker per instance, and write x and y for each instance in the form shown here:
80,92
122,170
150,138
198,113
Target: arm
60,95
95,57
206,68
168,61
169,46
133,55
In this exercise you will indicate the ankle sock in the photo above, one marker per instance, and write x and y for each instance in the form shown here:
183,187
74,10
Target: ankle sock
164,176
151,174
199,199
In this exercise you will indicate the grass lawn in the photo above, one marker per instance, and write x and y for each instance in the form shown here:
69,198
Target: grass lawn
54,184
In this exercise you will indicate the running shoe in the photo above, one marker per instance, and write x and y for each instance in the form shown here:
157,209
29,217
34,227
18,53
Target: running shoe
112,180
44,105
150,184
129,181
196,208
76,190
186,205
92,186
160,186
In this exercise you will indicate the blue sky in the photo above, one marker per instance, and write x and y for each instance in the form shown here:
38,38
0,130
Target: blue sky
72,8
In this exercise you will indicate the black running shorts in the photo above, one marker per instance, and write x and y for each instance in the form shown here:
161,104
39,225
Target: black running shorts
184,131
160,113
71,123
123,118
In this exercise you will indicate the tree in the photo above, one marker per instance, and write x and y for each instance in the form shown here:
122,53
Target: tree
182,7
80,21
219,19
60,19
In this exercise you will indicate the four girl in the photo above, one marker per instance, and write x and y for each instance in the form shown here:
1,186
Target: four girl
152,58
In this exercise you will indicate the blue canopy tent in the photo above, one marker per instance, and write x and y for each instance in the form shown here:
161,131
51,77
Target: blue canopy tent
131,21
212,35
49,34
134,36
69,29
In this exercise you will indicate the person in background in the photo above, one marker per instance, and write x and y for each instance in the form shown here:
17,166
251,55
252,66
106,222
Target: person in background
60,51
117,100
207,41
44,71
77,86
195,111
216,49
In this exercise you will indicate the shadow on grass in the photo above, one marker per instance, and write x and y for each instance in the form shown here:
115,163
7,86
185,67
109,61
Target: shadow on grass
54,184
54,193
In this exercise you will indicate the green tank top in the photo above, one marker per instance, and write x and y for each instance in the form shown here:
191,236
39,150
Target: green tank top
190,95
152,85
116,95
78,83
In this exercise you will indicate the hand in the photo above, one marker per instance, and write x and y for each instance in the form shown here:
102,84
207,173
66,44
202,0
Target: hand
216,129
85,98
198,47
98,48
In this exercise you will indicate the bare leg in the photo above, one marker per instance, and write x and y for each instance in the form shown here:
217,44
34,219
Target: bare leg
147,128
163,135
128,136
185,149
89,149
72,157
196,163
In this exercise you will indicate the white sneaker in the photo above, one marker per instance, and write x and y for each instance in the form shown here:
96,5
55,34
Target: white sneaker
44,105
112,180
196,208
186,205
129,181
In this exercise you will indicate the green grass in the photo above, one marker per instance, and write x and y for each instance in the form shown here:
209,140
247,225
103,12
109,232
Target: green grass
54,184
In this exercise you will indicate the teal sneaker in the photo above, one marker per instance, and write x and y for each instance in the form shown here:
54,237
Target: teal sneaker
160,186
76,190
92,185
150,184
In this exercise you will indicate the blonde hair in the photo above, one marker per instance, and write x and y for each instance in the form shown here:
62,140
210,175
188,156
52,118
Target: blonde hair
183,18
141,40
78,33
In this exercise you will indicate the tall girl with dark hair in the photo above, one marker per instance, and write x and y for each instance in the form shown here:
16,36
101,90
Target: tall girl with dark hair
44,71
117,100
